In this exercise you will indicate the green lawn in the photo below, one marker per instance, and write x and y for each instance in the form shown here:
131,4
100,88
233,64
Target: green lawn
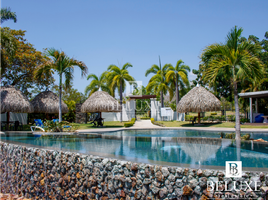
219,124
110,124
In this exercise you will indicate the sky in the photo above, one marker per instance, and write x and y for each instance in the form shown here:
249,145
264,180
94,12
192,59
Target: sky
105,32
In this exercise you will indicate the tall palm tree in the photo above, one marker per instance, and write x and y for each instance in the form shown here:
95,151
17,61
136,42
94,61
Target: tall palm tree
97,83
179,76
6,14
64,66
158,82
118,77
237,60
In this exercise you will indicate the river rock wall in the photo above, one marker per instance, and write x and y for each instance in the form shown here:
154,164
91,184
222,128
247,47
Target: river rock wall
46,174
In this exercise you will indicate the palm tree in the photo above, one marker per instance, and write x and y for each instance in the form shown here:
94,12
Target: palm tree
158,82
97,83
64,66
117,78
179,76
6,14
237,60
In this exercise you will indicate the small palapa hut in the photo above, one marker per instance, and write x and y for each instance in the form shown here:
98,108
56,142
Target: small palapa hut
100,101
48,102
13,100
199,100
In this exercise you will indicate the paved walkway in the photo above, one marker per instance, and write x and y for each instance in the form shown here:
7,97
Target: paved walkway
144,124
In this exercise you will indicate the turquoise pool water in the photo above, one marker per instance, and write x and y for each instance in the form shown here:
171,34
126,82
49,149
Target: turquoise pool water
167,147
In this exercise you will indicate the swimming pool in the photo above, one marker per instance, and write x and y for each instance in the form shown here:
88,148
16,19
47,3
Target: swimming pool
183,148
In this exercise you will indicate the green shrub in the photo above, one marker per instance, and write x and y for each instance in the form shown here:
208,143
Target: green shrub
230,135
214,113
231,118
51,126
246,137
156,123
131,123
244,120
145,118
189,117
205,118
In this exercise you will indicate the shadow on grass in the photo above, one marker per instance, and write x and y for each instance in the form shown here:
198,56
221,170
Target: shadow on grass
206,124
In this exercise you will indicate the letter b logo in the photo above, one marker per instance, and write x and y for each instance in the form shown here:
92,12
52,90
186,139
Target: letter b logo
233,168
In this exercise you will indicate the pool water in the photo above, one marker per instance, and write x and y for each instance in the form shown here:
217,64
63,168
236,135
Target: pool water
181,133
167,147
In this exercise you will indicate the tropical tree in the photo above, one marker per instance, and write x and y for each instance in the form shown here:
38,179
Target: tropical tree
237,60
8,48
158,82
6,14
179,76
117,79
97,83
64,66
18,61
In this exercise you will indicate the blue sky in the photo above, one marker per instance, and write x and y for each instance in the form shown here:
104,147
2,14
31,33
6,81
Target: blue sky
104,32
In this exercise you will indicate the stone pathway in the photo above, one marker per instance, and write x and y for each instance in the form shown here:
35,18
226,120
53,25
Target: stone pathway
144,124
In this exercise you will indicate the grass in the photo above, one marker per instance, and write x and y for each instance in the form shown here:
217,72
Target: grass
108,124
218,124
218,113
117,124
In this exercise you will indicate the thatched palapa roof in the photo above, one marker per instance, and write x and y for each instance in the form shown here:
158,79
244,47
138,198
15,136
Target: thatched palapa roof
48,102
13,100
101,101
198,99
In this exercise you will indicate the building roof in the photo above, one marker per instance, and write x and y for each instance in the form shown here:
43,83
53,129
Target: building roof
141,96
258,94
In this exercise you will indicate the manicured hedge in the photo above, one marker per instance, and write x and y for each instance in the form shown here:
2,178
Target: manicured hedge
131,123
145,118
156,123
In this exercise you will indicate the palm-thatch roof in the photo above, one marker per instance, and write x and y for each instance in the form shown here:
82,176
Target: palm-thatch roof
101,101
48,102
13,100
200,149
198,99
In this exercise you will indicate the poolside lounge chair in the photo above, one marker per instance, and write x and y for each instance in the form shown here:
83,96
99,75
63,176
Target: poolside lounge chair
39,124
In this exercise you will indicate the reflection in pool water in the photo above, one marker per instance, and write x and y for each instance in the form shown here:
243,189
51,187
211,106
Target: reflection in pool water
184,150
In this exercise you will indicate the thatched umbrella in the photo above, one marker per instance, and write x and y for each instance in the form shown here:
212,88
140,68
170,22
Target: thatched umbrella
100,101
48,102
13,100
198,100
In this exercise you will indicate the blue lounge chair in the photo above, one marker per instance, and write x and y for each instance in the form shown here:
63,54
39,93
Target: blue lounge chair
39,124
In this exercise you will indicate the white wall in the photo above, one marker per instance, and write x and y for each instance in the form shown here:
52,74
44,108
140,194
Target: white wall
21,117
128,112
156,113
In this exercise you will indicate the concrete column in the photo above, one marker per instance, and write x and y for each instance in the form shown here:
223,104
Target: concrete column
250,110
256,105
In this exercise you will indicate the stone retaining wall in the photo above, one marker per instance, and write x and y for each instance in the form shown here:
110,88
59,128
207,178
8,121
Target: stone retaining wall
38,173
